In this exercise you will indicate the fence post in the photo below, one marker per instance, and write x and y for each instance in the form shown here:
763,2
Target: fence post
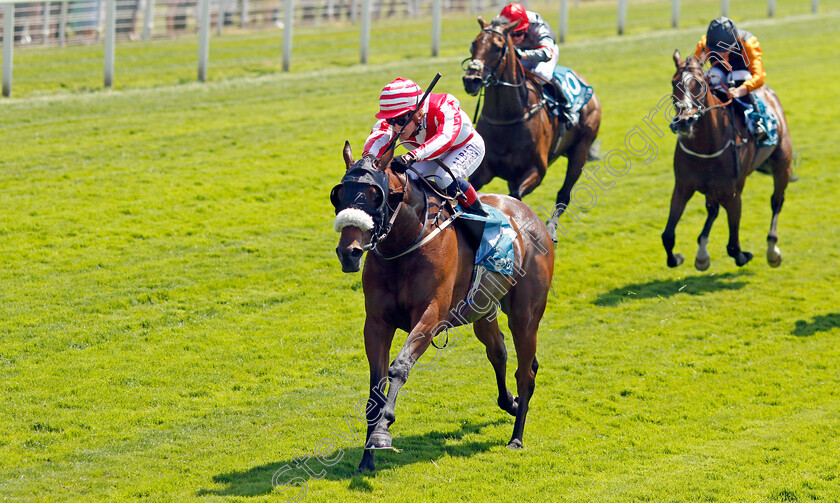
220,18
622,16
244,14
437,8
364,42
814,5
203,38
771,8
564,21
110,35
675,13
724,8
288,22
148,16
45,31
8,46
62,24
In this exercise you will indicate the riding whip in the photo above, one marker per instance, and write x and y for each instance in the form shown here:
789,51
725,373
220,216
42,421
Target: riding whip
419,104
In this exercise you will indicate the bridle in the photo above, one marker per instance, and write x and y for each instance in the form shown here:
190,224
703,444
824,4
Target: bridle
732,134
700,110
489,80
386,213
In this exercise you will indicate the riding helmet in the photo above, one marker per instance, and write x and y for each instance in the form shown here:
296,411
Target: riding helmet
516,12
398,97
721,35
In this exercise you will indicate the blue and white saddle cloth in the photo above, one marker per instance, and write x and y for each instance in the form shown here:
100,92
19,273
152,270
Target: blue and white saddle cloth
771,123
495,252
577,93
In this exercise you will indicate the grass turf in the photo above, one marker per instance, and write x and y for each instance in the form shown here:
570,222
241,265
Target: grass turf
174,323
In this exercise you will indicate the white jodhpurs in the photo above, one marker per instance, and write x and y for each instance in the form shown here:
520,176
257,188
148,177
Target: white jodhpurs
462,161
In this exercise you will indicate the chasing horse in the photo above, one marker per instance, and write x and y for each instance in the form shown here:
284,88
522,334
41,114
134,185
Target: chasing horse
420,274
525,120
717,148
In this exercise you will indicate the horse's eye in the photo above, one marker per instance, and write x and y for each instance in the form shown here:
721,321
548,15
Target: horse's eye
336,195
472,48
374,196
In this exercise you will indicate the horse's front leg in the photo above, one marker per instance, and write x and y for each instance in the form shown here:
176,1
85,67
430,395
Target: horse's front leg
679,199
378,337
733,212
703,260
415,345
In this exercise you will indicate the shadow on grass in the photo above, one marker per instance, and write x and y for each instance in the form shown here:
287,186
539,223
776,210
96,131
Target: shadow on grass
692,285
257,481
821,323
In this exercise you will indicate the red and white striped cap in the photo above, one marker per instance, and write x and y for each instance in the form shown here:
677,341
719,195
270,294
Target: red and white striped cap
398,97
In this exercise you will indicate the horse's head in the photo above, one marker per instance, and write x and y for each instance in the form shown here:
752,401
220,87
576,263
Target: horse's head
361,207
487,54
690,89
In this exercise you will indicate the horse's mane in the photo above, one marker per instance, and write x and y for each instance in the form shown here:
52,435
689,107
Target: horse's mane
500,21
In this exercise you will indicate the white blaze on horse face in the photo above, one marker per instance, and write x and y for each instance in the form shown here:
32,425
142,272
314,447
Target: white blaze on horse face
476,65
353,217
695,100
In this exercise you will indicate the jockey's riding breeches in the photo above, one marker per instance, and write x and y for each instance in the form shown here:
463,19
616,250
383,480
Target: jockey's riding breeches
462,161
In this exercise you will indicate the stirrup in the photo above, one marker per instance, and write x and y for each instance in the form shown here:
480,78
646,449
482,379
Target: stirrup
571,119
760,133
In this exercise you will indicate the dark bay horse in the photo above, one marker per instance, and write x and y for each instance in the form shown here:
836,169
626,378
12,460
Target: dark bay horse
419,286
714,155
521,136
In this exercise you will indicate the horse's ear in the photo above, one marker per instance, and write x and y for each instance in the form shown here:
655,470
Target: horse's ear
385,160
482,22
677,60
509,27
348,154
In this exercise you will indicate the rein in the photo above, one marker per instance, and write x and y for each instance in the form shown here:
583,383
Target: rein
422,238
734,131
491,80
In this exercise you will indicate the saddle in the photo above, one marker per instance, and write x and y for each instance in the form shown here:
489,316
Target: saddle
491,237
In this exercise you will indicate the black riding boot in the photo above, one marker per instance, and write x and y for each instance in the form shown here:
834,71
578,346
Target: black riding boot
467,193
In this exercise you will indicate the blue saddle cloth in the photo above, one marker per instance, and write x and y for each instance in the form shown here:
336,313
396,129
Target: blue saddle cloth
577,93
495,252
771,123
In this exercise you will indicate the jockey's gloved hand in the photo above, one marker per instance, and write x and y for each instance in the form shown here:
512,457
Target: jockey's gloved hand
408,159
519,53
398,166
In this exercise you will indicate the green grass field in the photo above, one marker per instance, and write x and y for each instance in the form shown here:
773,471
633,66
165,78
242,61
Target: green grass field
174,323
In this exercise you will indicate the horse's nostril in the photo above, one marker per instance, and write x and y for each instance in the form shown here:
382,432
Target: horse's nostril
356,253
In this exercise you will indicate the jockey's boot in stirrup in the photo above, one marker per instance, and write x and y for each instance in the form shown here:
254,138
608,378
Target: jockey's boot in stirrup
468,198
476,208
759,128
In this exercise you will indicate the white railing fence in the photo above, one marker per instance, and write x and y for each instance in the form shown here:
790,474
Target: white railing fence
80,22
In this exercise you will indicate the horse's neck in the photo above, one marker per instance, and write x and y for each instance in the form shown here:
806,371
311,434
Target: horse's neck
408,224
714,128
505,101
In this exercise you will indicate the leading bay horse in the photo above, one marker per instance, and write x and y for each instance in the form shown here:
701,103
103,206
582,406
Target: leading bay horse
714,155
522,137
417,282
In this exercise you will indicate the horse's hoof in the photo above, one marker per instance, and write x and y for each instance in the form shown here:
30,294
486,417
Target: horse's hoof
743,258
774,256
515,444
701,264
675,260
551,227
379,441
366,465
